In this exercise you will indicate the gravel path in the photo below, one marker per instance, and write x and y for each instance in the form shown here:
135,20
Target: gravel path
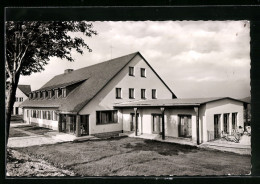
31,141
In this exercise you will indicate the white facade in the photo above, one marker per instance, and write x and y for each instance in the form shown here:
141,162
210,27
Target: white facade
175,116
106,99
221,107
40,120
172,118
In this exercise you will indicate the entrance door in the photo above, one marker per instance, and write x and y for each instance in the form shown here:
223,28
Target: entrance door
84,125
132,121
16,110
216,126
157,123
63,123
185,126
71,124
68,123
225,126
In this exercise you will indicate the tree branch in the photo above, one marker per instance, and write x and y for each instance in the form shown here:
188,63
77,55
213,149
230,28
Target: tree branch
7,67
21,59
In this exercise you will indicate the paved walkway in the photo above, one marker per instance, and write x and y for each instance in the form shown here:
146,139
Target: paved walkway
184,141
48,138
244,147
31,140
18,124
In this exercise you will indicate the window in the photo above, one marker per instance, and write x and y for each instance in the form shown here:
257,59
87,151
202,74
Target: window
154,95
63,92
44,94
105,117
38,114
56,91
50,93
44,116
118,93
28,113
21,99
54,116
16,99
49,115
234,121
33,114
143,72
131,71
131,93
143,93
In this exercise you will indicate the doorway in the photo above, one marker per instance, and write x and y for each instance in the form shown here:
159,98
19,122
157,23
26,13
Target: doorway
226,123
132,120
84,125
68,123
216,126
185,126
157,123
16,110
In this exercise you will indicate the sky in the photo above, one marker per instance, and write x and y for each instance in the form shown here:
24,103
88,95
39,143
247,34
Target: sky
196,59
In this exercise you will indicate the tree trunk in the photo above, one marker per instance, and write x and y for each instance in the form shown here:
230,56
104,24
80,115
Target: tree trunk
10,103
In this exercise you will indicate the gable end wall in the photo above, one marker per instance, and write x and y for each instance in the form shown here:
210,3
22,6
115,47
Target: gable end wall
106,99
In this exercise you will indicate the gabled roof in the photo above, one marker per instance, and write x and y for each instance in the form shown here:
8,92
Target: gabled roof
94,78
173,102
26,89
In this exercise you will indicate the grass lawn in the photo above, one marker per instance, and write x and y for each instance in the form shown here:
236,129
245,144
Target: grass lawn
16,119
132,156
14,133
34,129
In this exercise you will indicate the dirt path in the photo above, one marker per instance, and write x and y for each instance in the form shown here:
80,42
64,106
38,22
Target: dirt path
19,164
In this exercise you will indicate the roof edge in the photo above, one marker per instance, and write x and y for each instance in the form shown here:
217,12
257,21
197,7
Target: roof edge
135,53
173,95
225,98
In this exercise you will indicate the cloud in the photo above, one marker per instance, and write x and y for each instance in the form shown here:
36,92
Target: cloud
197,54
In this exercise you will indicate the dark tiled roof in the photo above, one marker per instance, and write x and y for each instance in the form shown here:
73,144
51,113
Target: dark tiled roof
26,89
247,99
173,102
95,76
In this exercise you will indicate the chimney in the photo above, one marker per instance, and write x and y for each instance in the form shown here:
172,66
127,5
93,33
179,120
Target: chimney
68,71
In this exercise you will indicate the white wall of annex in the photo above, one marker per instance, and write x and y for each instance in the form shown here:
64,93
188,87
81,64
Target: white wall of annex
221,107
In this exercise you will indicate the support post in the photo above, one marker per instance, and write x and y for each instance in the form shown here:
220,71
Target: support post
197,125
78,126
136,120
163,124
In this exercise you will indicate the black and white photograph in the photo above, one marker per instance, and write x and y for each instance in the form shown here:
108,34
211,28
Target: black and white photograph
127,98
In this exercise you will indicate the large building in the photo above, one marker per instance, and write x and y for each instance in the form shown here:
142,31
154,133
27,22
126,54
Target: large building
126,94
